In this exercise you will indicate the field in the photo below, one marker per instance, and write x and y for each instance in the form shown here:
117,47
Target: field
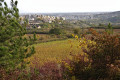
53,51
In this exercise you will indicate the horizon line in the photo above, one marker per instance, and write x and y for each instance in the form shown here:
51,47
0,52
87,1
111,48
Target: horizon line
65,12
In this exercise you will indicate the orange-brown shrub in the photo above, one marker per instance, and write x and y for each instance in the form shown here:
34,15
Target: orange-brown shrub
104,55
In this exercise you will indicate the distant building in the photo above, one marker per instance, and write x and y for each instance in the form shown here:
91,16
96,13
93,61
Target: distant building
39,27
58,18
21,19
34,21
31,19
63,18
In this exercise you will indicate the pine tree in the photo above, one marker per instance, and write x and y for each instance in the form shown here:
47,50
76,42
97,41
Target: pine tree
13,46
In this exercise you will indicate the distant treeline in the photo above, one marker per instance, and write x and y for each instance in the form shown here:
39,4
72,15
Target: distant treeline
104,27
32,31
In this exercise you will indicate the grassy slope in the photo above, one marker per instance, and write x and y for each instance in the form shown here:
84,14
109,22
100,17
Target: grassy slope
53,51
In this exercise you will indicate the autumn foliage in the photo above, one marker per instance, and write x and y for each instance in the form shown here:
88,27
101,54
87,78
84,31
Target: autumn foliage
100,58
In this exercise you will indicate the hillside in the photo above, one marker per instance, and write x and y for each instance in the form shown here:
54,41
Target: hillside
91,17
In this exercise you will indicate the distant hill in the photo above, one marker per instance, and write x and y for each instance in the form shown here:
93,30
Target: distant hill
110,16
89,18
113,17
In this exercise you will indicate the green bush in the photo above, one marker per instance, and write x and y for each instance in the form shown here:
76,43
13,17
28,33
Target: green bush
77,31
56,31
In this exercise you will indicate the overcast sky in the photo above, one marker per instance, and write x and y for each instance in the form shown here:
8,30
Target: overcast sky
56,6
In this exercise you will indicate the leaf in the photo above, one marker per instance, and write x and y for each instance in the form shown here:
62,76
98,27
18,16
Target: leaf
11,0
0,4
1,9
1,0
16,2
5,4
0,13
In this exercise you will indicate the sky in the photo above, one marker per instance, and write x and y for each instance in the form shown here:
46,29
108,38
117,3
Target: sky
61,6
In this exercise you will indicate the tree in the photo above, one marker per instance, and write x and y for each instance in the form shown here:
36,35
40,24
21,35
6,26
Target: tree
56,31
109,29
13,46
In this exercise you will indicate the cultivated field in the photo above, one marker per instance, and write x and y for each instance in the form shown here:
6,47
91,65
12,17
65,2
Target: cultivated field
53,51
